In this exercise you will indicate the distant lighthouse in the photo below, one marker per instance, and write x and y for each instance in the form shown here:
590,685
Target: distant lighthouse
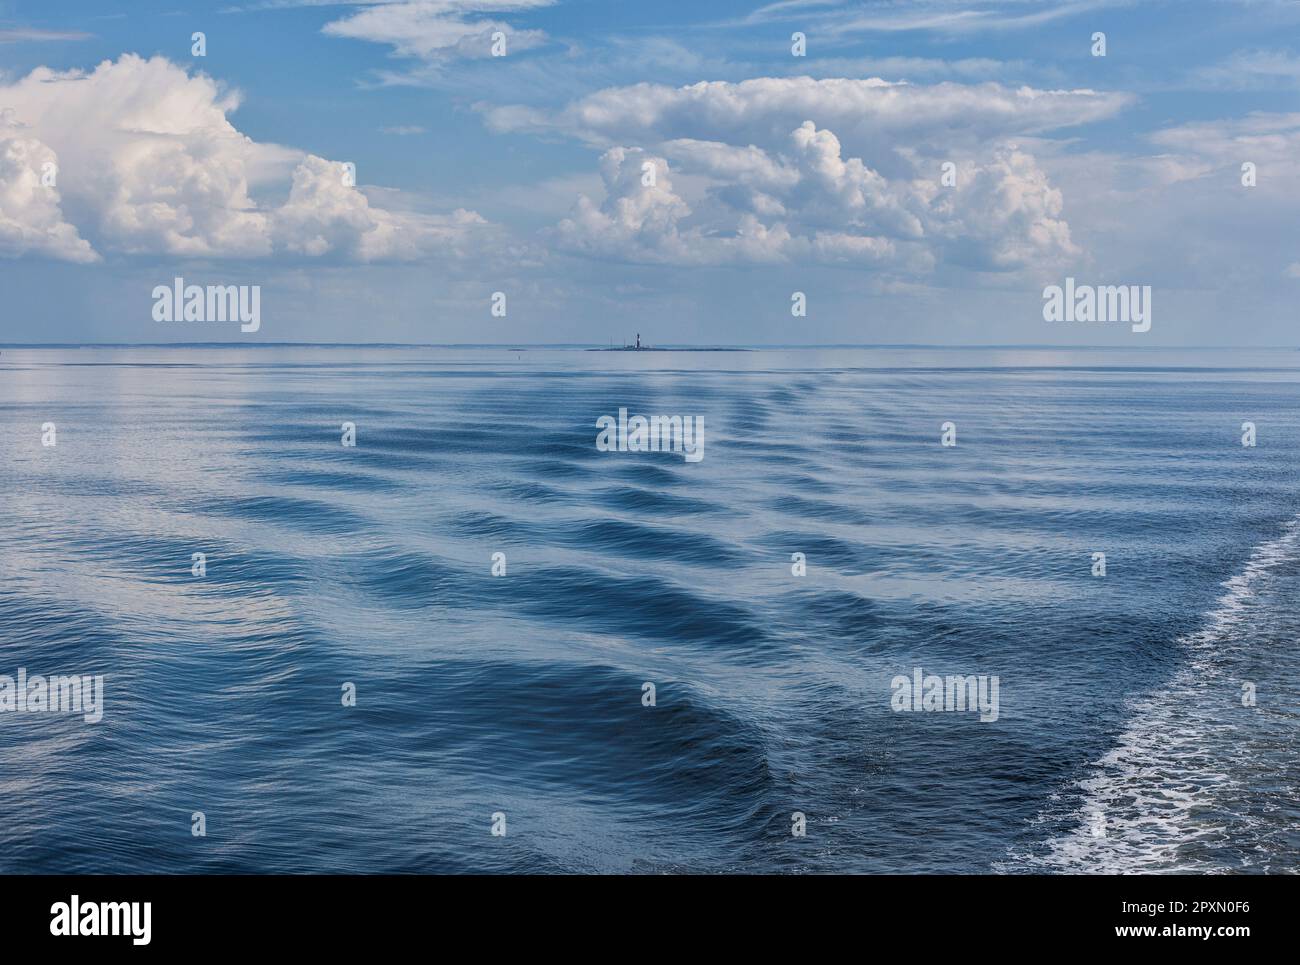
638,339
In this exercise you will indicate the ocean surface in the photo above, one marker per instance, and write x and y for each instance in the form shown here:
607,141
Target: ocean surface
1122,742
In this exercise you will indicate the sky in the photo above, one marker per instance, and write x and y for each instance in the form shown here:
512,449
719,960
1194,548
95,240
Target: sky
675,169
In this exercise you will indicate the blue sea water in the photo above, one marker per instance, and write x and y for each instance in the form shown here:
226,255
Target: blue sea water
522,694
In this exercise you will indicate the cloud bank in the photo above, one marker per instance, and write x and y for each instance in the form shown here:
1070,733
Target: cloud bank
839,171
148,163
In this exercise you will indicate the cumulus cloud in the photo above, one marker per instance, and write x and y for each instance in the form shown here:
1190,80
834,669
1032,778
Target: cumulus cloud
1002,215
802,194
30,215
325,215
149,163
148,155
638,219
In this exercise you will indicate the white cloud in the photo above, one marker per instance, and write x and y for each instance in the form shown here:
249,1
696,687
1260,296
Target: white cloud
1003,215
30,215
149,163
1267,139
436,31
324,215
1253,70
933,68
14,35
802,194
869,116
1181,217
945,16
636,220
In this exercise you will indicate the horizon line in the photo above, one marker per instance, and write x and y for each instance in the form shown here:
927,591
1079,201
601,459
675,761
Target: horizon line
704,346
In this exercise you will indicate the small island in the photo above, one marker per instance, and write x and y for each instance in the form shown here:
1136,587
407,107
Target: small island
638,347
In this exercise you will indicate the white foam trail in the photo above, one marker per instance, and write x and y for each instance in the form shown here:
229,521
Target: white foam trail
1148,788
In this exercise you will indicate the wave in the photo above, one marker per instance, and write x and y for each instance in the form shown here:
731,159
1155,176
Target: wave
522,692
1142,807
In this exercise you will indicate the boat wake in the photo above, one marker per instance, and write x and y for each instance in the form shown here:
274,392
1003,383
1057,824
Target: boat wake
1162,800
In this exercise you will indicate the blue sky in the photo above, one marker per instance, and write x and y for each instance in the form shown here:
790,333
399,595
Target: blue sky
772,173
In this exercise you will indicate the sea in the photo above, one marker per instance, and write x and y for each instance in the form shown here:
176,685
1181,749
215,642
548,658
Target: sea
475,642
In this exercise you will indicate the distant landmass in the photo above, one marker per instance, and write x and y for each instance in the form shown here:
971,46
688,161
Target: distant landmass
656,348
638,347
